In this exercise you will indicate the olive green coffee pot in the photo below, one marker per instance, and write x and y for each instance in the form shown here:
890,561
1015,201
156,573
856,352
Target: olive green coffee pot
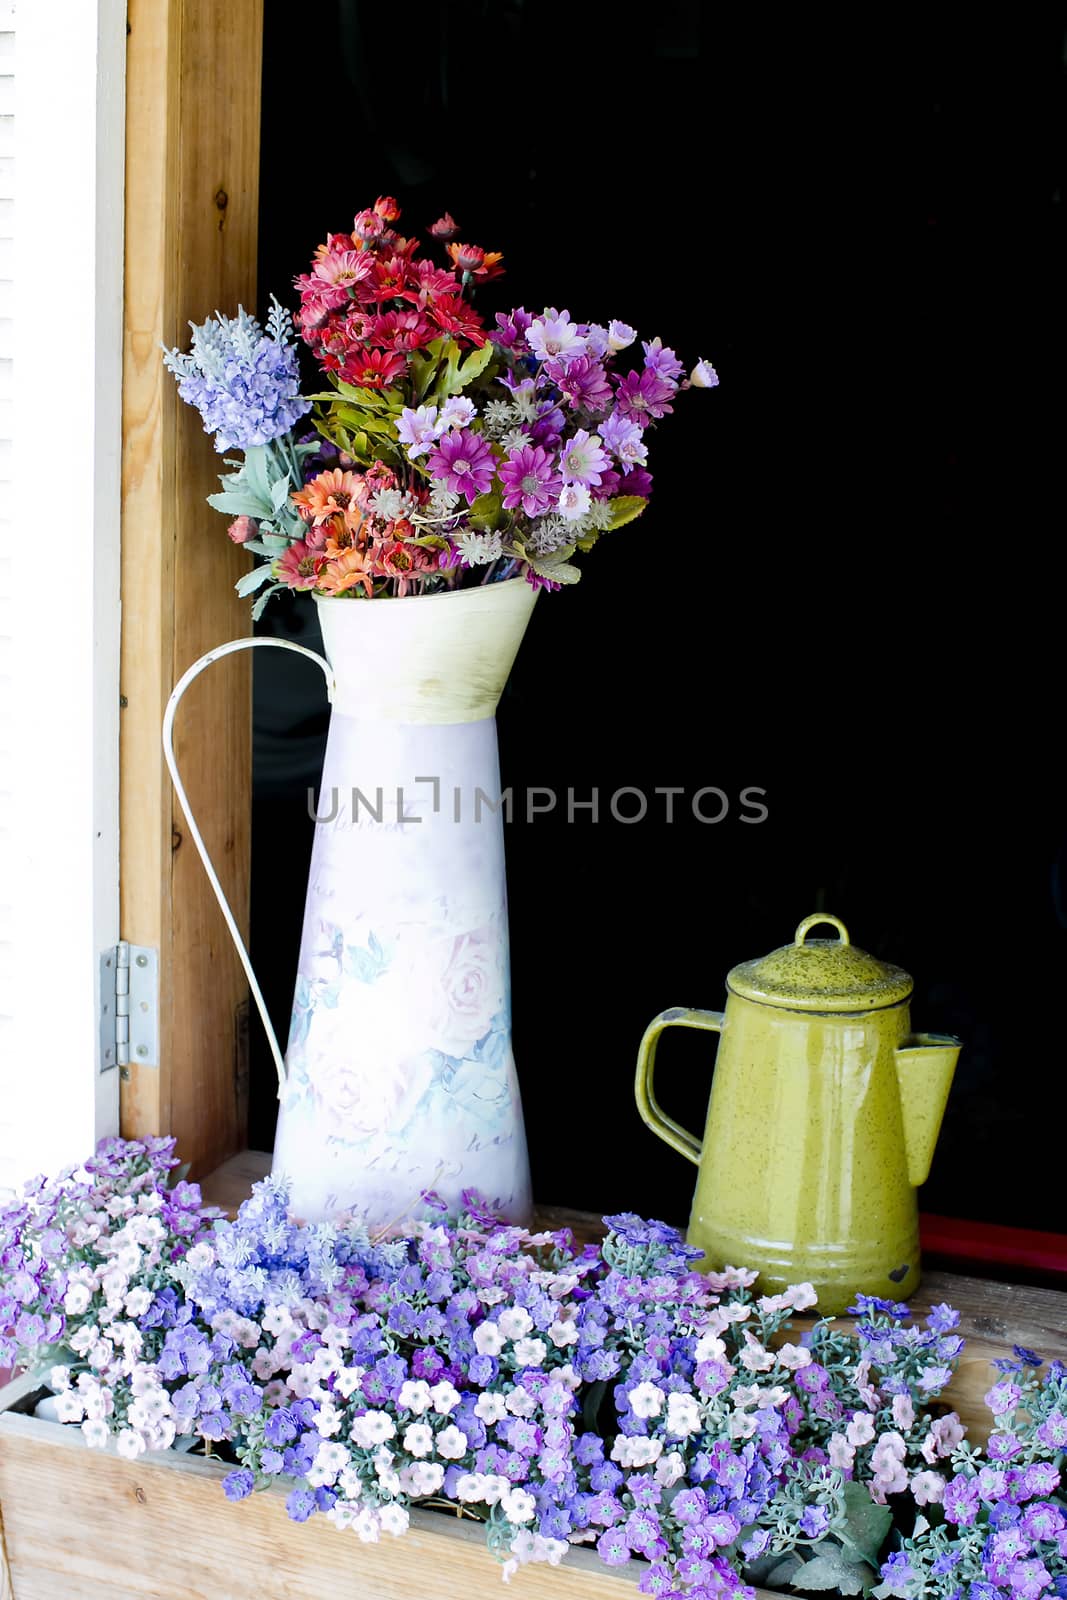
824,1113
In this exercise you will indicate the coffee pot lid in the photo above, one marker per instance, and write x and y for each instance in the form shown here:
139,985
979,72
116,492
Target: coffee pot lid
821,974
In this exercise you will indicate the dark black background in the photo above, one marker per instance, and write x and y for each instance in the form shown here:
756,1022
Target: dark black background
848,587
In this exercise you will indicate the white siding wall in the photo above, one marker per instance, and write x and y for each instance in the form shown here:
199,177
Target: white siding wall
62,79
7,914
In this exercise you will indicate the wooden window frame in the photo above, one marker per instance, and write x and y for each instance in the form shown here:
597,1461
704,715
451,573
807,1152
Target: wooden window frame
192,182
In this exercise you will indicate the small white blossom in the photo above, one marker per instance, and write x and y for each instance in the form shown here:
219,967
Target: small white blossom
646,1400
330,1458
69,1407
138,1301
451,1442
76,1299
530,1352
367,1524
394,1520
490,1408
457,412
415,1396
130,1444
683,1415
418,1439
520,1402
710,1348
515,1322
669,1469
793,1356
704,376
480,550
373,1427
59,1379
574,501
445,1397
518,1506
95,1432
563,1334
347,1380
488,1339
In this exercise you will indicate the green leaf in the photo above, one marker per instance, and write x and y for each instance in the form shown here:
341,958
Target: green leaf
625,507
279,494
487,511
834,1571
866,1525
472,367
240,503
260,605
252,580
560,571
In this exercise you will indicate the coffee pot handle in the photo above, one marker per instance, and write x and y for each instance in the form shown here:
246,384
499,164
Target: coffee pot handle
194,832
665,1127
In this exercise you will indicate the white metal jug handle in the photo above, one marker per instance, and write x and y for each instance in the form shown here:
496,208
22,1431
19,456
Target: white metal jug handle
183,800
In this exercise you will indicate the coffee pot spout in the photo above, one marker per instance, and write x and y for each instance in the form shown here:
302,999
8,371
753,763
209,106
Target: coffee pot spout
925,1066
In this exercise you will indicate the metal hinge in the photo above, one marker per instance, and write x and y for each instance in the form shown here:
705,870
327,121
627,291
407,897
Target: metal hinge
129,1006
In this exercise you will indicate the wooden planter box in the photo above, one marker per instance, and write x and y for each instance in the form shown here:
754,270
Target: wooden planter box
80,1524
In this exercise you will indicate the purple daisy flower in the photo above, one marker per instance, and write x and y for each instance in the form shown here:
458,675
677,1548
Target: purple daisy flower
582,382
512,328
641,396
464,463
658,358
530,479
612,1547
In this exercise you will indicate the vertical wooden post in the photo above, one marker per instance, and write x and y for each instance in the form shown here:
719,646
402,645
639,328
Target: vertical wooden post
192,154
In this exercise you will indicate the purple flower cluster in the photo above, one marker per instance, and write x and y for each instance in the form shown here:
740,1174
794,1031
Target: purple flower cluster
607,1395
244,382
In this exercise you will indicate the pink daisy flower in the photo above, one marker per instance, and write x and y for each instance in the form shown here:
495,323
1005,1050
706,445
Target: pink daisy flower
464,463
530,479
644,395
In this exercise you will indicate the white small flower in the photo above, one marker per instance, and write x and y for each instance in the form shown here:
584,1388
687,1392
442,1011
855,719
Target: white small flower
514,439
200,1257
388,504
683,1415
745,1394
741,1425
620,336
368,1525
646,1400
515,1322
563,1334
95,1433
348,1380
774,1396
443,502
350,1483
793,1356
138,1301
426,1478
59,1379
520,1402
451,1442
710,1348
330,1458
340,1515
802,1296
488,1339
860,1430
276,1319
394,1520
704,376
530,1352
328,1419
574,501
754,1358
76,1299
373,1427
669,1469
518,1506
490,1408
418,1439
445,1397
69,1407
130,1444
470,1487
456,412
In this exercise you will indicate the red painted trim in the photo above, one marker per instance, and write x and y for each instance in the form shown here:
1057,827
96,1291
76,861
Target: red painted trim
990,1243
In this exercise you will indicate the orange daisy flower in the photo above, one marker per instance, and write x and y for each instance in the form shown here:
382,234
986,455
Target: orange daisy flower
330,494
349,571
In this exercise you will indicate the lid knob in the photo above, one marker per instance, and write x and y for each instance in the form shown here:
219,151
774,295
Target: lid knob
815,921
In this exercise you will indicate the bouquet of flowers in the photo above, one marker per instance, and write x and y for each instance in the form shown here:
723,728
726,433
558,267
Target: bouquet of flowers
607,1395
444,453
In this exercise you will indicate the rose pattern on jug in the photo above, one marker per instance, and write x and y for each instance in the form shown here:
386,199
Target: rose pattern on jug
389,1033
